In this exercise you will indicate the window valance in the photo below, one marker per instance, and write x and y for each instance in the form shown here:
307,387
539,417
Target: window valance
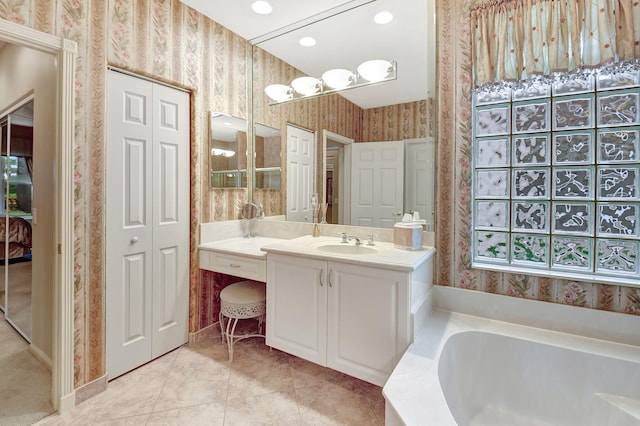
515,39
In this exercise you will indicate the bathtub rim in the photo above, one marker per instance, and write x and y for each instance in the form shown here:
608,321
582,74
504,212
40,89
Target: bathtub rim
415,382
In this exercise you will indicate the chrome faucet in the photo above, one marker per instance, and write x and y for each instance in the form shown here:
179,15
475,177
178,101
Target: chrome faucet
370,241
353,237
344,238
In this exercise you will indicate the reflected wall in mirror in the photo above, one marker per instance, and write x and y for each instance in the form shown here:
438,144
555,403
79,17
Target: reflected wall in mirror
368,114
268,155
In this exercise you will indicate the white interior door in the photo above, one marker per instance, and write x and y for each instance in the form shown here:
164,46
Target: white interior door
147,223
171,200
377,183
301,171
419,178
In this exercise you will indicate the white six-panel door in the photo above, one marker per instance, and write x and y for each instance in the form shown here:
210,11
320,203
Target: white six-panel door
377,183
147,221
419,177
301,169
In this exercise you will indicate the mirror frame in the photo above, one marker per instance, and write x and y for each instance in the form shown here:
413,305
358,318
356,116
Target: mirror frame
64,50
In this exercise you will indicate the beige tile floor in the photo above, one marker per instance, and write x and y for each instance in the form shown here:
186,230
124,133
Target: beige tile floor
197,385
25,383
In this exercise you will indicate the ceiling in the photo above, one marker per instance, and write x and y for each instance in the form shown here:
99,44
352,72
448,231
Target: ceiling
346,36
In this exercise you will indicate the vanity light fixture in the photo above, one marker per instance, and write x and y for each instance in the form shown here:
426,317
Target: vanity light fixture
222,152
338,78
279,92
261,7
383,17
368,73
376,70
306,86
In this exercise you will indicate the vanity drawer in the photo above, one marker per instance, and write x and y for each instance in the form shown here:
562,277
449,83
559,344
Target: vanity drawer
237,265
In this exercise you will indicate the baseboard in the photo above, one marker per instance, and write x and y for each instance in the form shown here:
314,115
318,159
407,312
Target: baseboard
67,403
41,356
91,389
209,332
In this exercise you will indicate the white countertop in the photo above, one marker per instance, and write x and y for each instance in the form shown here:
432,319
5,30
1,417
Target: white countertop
245,246
385,253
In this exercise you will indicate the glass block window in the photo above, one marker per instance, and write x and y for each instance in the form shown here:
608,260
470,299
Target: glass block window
556,177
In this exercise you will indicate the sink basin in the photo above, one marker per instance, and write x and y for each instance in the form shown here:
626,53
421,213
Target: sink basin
346,249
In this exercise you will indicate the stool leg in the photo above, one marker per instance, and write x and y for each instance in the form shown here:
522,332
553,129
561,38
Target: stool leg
260,321
230,338
221,321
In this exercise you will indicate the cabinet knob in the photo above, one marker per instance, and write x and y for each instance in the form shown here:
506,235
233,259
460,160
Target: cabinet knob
134,240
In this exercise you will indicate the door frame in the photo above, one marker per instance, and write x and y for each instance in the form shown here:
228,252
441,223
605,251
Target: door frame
62,386
345,173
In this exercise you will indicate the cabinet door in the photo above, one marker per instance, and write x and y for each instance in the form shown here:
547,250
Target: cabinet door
366,308
297,306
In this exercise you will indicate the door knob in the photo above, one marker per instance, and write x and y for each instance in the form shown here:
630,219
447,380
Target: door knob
134,240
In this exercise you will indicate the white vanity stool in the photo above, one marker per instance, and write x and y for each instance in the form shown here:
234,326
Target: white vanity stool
242,300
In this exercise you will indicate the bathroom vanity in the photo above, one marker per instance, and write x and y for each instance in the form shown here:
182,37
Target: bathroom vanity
350,308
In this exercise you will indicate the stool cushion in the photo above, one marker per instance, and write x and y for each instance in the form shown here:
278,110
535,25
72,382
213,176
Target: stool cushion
244,292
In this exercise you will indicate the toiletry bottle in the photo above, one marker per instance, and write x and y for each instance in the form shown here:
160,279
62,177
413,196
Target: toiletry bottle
316,230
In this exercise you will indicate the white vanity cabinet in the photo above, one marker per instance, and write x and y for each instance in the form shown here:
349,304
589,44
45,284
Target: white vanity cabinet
234,264
349,317
297,306
240,257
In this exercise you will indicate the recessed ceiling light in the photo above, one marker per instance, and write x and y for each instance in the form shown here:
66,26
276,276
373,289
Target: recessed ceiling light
308,41
383,17
262,7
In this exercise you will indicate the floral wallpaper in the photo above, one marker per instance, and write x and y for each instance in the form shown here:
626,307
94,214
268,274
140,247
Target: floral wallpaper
453,228
396,122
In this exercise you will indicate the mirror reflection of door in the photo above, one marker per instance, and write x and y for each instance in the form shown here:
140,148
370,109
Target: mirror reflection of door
16,162
301,170
377,183
419,179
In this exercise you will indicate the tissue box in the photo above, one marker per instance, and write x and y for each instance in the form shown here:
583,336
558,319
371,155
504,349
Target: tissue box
407,235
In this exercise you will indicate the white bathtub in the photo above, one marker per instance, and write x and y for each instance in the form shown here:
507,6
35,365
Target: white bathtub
472,370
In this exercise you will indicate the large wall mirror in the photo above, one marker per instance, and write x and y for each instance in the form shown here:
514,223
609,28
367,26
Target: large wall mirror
338,124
